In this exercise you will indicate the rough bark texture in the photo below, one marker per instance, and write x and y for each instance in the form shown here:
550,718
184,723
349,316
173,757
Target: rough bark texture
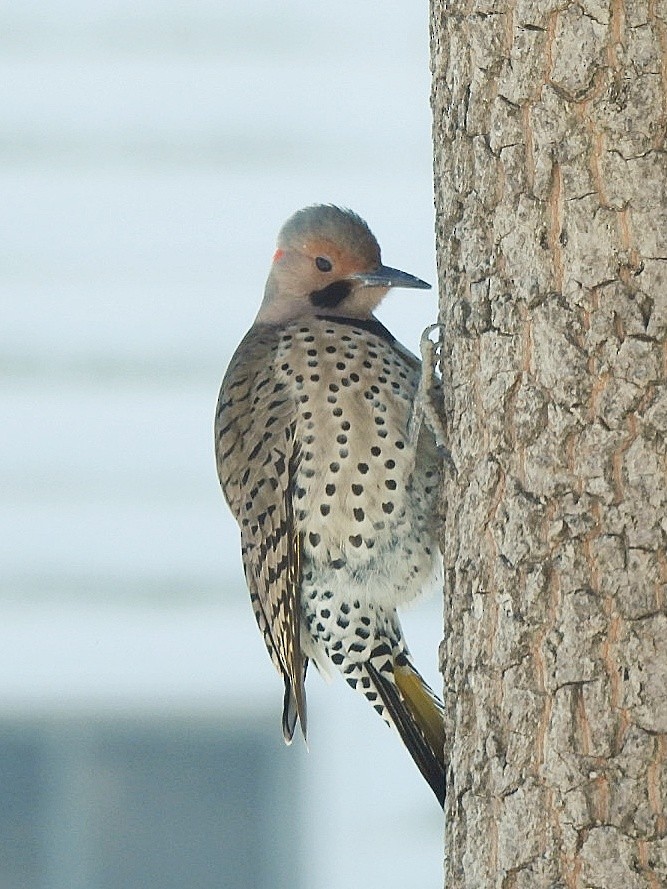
551,197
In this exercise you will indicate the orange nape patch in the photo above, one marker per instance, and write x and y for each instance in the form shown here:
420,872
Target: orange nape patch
278,255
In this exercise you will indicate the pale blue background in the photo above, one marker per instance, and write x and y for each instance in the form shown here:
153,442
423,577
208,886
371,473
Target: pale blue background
149,152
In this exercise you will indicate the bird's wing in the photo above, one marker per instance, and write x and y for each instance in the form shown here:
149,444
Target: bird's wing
257,457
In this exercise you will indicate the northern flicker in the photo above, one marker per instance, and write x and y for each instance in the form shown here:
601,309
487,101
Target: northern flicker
334,496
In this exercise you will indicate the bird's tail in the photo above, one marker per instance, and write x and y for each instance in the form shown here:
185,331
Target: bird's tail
418,715
294,706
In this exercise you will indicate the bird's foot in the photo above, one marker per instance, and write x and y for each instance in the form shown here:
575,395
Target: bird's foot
428,406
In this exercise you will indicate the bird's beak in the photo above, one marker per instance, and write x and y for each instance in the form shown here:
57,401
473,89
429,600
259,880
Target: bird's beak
384,276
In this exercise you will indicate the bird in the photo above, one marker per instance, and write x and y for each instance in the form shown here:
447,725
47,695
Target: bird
335,498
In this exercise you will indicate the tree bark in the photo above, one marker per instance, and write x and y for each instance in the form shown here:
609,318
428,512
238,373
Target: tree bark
550,119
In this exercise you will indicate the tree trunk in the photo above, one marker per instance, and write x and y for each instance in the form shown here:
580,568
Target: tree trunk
551,205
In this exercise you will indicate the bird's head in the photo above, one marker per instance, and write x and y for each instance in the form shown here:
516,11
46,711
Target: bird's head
327,262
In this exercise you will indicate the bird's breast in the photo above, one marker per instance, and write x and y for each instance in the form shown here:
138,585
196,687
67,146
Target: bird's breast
364,495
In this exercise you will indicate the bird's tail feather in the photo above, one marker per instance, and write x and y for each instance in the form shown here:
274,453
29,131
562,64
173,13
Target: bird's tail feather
418,716
294,707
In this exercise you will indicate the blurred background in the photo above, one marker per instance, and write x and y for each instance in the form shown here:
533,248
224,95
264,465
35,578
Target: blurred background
149,152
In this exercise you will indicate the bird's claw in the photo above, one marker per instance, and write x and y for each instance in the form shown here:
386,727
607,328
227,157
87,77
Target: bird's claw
428,401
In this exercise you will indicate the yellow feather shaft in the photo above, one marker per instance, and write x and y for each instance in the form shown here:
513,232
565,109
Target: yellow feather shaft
425,708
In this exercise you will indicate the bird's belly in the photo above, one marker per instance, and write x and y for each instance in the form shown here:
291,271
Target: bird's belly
349,603
393,578
370,527
384,561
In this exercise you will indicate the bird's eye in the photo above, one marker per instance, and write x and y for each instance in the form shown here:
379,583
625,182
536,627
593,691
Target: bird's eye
323,264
